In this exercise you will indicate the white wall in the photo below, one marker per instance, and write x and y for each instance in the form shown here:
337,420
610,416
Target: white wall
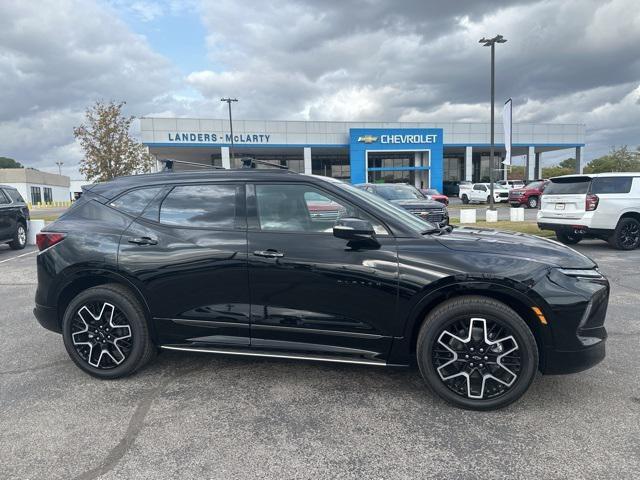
59,194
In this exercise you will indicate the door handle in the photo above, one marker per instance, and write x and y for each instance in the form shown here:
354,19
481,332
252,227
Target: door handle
268,253
143,241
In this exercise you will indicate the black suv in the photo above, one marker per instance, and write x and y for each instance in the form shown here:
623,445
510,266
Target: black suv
234,262
14,218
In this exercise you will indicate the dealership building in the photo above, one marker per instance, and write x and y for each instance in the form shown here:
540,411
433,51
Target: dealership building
436,155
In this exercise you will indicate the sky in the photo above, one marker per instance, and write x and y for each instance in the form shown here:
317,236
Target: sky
565,61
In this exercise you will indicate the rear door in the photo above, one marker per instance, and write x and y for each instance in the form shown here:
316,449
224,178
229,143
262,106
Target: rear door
188,254
565,197
310,292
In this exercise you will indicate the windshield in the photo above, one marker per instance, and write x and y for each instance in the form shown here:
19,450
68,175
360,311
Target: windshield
432,191
398,192
408,219
575,185
535,185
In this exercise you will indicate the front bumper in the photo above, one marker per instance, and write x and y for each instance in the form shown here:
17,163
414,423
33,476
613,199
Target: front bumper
559,362
47,317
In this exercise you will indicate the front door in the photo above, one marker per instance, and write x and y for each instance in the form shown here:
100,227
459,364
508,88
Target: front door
188,253
310,293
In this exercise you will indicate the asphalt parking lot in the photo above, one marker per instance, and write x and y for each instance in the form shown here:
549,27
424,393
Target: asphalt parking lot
201,416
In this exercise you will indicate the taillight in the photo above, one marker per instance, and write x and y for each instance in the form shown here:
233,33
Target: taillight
48,239
591,203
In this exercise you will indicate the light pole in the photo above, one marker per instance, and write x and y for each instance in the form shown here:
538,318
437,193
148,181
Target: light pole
59,163
229,100
491,42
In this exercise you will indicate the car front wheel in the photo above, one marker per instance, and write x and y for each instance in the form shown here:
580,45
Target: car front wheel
19,238
626,236
105,332
476,353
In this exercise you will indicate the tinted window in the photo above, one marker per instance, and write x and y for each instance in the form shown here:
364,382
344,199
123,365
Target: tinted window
135,201
303,208
560,186
611,185
536,185
15,195
398,192
204,206
480,187
3,198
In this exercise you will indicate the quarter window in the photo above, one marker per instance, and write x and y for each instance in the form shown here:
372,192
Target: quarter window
204,206
611,185
3,198
303,208
135,201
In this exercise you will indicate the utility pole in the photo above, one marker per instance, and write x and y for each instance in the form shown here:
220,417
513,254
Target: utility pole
491,42
229,100
59,164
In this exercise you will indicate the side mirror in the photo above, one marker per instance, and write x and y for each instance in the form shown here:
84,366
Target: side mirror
355,230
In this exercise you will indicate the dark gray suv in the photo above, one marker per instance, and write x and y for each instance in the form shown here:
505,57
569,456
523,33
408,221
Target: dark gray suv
14,218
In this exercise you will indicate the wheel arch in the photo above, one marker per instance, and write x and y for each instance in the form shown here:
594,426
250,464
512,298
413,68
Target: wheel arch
631,214
85,279
496,291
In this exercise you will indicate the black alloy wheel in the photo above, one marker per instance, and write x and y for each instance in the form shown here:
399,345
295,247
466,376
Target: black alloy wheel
568,237
626,236
477,353
105,332
464,199
19,238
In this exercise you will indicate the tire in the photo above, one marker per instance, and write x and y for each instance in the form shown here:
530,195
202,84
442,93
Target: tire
120,328
489,199
568,237
19,238
533,202
626,236
439,367
464,199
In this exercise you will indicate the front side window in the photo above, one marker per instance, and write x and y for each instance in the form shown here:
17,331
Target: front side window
135,201
482,188
202,206
611,185
304,208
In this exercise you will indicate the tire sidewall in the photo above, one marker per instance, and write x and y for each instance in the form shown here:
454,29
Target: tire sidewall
532,202
132,313
618,232
521,333
15,244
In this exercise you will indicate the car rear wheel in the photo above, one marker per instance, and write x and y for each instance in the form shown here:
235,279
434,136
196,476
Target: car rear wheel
105,332
476,353
568,237
626,236
464,199
532,202
19,238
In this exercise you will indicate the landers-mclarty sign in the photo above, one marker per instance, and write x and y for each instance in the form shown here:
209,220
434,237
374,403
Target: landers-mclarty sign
190,137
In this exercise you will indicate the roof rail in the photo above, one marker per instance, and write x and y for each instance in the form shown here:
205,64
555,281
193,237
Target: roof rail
248,162
168,164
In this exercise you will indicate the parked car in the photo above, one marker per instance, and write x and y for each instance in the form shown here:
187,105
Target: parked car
433,194
529,195
511,184
601,205
232,262
14,218
481,192
411,199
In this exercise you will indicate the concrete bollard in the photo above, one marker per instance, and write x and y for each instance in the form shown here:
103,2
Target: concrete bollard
468,215
517,214
34,228
492,216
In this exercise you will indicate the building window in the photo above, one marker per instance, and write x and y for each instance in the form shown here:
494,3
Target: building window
36,196
48,195
334,165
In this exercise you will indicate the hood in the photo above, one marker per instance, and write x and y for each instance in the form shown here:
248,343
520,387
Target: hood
418,203
529,247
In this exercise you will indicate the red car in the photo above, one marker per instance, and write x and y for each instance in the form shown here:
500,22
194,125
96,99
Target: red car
434,194
529,196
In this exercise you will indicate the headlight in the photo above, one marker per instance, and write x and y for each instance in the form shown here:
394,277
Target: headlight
581,273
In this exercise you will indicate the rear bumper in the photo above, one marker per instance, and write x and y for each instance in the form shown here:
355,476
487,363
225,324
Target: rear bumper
560,362
575,228
47,317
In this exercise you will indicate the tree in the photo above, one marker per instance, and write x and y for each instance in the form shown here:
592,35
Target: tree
565,167
617,160
109,149
6,162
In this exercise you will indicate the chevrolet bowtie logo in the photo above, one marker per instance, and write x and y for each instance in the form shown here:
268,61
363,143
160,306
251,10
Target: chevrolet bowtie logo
367,139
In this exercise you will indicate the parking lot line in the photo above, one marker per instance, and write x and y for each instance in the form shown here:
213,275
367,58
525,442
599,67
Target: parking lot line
18,256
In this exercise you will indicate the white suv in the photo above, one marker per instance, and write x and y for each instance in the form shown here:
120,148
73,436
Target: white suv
481,192
601,205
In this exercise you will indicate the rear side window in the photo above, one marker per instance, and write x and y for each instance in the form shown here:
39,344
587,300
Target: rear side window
203,206
135,201
579,185
611,185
